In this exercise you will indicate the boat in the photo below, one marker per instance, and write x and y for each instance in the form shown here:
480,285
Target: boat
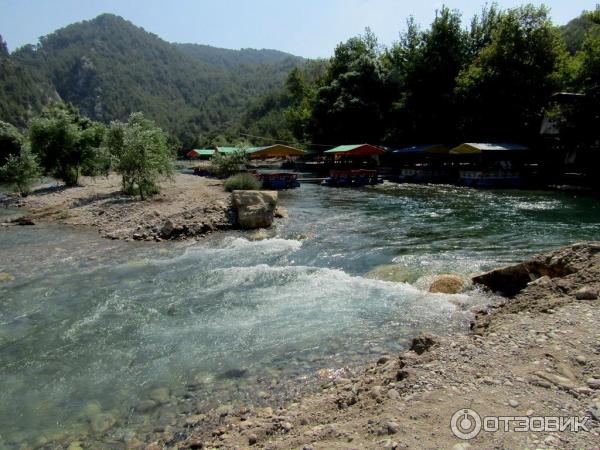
279,180
352,178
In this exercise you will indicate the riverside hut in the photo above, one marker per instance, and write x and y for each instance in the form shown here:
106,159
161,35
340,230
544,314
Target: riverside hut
491,164
426,163
354,165
274,151
201,153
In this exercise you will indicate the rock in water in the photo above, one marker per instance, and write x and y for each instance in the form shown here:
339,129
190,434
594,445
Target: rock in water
281,213
447,284
160,395
255,209
4,277
102,422
390,272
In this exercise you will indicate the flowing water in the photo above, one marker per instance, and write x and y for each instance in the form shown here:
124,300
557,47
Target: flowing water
92,328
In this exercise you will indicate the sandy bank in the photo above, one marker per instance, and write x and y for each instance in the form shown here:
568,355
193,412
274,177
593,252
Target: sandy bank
187,206
538,354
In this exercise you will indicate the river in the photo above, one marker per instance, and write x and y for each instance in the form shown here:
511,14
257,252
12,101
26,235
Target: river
91,329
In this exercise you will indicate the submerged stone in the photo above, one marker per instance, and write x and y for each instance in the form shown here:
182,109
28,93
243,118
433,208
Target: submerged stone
391,272
5,277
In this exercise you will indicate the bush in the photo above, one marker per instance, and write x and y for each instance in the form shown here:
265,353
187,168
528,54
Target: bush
227,165
66,143
242,182
21,170
141,153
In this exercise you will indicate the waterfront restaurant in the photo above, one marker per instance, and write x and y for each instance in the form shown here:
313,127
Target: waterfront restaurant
491,164
427,163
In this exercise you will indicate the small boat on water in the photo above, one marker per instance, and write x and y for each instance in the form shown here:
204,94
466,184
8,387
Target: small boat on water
352,177
278,180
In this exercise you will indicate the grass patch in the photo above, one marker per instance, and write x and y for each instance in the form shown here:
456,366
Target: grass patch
242,181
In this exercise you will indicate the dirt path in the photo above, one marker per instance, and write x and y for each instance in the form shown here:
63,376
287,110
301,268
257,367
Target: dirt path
538,355
187,206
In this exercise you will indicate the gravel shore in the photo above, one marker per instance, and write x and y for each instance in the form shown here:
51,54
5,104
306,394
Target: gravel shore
188,206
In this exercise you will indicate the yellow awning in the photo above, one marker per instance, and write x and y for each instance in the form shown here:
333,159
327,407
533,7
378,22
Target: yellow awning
274,151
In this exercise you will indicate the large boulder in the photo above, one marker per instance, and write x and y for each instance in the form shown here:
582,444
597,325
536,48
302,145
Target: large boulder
447,284
510,280
255,209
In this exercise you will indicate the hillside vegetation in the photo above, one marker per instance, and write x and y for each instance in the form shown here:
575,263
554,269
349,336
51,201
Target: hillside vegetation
108,67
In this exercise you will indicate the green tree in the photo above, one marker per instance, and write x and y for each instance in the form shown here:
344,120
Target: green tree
10,141
424,67
352,98
141,154
226,165
66,142
21,170
504,89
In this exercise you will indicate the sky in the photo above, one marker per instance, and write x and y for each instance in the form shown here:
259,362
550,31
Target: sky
309,28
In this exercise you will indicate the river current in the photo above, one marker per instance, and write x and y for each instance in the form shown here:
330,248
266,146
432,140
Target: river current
93,328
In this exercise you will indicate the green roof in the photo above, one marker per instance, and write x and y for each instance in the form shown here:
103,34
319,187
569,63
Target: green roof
204,151
228,150
344,148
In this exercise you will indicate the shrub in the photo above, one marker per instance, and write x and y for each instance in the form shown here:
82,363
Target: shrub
242,181
141,153
66,142
226,165
21,170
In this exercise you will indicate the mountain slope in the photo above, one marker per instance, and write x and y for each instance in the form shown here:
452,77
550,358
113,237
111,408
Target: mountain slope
22,93
573,33
108,68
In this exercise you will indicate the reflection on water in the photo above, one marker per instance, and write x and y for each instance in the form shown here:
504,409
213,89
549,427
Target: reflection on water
95,335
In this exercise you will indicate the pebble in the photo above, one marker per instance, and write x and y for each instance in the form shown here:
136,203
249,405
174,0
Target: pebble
461,446
393,394
252,439
392,427
594,383
586,293
513,403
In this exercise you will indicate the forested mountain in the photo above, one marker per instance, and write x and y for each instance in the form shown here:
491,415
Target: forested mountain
108,67
22,92
573,33
225,57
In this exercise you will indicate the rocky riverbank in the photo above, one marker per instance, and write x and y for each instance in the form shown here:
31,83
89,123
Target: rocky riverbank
188,206
536,354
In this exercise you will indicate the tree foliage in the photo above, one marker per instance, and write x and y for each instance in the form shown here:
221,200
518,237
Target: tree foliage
140,153
66,142
503,91
11,141
446,83
20,170
226,165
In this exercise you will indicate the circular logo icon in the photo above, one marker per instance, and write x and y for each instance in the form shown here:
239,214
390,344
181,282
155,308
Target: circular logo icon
465,424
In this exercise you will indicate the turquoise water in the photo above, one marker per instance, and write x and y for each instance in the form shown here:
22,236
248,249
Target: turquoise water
92,327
